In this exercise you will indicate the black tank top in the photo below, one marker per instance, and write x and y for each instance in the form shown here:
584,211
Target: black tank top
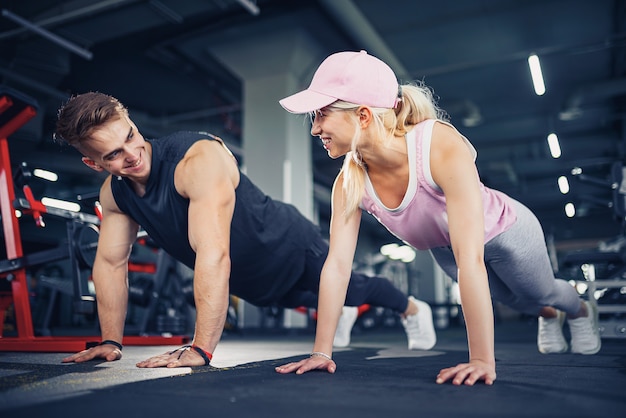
268,238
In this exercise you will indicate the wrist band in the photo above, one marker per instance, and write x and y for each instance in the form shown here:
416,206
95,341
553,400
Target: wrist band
204,354
320,354
115,343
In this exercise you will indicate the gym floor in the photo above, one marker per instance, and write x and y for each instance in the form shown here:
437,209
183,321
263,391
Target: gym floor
377,376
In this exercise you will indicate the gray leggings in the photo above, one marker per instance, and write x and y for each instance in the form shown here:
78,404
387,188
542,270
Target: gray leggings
519,269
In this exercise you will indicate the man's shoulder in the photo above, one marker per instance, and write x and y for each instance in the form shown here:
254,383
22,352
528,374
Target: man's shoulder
173,147
106,198
185,135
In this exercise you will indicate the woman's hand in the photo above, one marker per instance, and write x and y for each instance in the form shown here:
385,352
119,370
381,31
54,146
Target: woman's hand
468,373
308,364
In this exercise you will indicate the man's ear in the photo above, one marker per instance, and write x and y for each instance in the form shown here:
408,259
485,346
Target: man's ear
92,164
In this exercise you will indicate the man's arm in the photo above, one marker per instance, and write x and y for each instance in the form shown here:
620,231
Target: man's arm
207,176
110,276
210,178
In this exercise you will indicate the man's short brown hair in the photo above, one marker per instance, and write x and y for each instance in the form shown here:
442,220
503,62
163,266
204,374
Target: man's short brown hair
83,114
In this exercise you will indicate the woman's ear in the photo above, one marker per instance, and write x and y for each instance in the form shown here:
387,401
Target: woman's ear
365,116
92,164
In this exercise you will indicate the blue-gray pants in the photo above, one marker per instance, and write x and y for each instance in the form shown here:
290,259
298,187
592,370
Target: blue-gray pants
519,268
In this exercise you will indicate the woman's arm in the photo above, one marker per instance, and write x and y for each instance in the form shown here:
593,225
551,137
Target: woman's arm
454,171
333,285
336,272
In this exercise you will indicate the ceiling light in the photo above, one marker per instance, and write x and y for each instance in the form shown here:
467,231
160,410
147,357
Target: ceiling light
45,174
408,254
570,210
535,72
60,204
563,185
388,249
394,251
553,143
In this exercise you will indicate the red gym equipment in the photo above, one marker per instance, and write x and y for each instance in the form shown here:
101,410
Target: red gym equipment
16,109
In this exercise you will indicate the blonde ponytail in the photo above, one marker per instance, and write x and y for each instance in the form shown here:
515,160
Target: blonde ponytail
353,171
417,105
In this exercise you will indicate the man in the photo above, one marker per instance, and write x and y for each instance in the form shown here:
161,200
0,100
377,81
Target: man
186,191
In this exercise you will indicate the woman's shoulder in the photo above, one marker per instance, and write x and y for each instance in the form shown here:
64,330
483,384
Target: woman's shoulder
447,138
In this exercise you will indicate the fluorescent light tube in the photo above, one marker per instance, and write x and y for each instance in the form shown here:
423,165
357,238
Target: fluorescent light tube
535,72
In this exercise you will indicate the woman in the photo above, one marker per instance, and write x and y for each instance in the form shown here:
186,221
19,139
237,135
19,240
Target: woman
415,173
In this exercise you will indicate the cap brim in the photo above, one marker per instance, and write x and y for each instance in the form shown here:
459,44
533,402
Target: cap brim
306,101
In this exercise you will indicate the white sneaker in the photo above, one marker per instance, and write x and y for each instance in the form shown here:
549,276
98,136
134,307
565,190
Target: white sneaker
419,328
550,337
347,319
585,332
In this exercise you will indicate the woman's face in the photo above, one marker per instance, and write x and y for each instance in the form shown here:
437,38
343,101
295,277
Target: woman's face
335,129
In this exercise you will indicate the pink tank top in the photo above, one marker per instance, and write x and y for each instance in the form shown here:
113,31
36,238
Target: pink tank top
421,219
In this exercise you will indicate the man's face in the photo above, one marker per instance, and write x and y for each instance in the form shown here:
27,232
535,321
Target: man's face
118,148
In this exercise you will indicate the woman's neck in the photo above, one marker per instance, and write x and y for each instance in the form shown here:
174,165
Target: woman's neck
384,156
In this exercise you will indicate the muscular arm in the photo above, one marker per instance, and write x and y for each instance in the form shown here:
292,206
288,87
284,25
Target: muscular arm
207,176
453,170
334,281
110,275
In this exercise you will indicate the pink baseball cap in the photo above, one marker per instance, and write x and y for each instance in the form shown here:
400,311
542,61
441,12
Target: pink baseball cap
354,77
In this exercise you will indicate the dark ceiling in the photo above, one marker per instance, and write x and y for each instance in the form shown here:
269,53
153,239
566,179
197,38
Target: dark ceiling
152,55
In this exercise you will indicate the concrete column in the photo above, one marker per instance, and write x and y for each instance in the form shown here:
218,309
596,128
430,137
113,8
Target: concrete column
276,145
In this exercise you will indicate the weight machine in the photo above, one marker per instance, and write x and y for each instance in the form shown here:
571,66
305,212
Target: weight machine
16,109
601,274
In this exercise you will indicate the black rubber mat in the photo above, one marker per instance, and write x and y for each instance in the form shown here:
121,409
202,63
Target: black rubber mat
529,384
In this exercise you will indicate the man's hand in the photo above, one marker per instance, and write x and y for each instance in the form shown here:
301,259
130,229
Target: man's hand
308,364
181,357
108,352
